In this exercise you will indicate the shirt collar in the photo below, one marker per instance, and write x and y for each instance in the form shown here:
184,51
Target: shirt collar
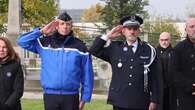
135,44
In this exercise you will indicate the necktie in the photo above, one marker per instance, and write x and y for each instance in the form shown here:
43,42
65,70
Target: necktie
131,49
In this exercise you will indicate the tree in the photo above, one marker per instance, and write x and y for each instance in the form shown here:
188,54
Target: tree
114,10
3,8
159,25
84,36
35,12
39,12
92,14
78,32
3,11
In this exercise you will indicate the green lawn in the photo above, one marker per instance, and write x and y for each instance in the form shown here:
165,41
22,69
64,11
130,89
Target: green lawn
38,105
32,104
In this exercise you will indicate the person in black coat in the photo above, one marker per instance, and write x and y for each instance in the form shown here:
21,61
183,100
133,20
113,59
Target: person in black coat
184,68
134,83
165,53
11,77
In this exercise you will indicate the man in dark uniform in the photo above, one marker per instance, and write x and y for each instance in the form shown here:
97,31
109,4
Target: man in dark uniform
164,53
184,68
133,85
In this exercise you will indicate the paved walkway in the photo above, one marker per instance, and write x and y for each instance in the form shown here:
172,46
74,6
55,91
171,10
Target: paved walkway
39,95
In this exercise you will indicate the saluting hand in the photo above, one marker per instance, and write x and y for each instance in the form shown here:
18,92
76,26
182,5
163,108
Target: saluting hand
193,93
49,28
115,32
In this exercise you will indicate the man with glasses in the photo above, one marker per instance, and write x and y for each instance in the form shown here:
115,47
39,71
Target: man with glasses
164,53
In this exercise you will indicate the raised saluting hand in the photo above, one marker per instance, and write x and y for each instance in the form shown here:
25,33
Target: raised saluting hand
51,27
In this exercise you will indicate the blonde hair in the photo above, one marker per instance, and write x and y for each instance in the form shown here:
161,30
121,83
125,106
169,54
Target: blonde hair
11,52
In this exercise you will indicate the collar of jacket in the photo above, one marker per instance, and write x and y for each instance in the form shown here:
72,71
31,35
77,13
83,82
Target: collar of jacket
190,43
169,48
63,38
138,39
5,60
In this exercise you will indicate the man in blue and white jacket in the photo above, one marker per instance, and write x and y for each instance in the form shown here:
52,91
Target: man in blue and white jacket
65,64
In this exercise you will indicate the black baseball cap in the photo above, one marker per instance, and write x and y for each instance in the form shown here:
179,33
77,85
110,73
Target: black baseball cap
64,16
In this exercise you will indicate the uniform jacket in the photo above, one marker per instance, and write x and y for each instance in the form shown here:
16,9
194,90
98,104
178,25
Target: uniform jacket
127,84
166,76
11,85
65,63
184,73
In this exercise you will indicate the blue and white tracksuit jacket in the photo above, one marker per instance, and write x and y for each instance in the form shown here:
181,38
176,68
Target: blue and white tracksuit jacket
65,63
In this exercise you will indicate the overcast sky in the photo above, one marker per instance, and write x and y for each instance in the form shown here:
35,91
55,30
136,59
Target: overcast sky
157,7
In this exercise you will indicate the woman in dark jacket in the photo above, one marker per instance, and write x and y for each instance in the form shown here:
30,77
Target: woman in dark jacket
11,77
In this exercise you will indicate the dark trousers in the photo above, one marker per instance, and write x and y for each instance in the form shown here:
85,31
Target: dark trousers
61,102
119,108
169,98
16,107
166,101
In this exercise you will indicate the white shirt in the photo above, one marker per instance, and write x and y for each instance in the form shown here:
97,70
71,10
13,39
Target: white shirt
135,44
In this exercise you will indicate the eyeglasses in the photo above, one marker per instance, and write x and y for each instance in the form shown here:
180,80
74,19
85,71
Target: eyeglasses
164,39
